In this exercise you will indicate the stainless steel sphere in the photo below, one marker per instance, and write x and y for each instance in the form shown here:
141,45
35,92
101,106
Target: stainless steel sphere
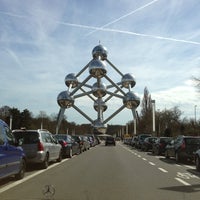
99,126
99,91
131,100
128,80
72,80
64,100
97,68
100,51
102,104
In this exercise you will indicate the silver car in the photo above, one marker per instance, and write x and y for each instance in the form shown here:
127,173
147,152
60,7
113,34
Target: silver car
39,146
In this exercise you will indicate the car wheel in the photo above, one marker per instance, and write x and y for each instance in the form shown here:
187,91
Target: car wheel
21,173
70,153
166,154
177,157
60,157
45,163
197,162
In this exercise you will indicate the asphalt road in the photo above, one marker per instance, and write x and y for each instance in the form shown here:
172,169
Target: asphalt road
107,172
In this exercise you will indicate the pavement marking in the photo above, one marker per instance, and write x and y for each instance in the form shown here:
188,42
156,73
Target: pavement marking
163,170
144,159
139,156
190,167
151,163
183,182
29,177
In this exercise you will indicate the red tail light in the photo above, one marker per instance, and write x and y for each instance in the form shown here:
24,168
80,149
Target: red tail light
183,145
64,143
40,146
161,145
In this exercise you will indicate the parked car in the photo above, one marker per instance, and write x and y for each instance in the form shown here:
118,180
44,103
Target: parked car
86,142
133,141
110,141
39,146
140,140
183,148
148,143
160,144
12,157
92,140
69,146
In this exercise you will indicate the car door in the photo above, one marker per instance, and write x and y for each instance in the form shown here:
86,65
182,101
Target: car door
2,153
10,154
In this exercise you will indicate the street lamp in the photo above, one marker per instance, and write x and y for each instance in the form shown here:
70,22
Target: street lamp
153,115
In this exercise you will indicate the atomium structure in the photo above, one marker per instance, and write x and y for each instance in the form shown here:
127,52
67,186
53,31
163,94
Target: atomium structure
98,92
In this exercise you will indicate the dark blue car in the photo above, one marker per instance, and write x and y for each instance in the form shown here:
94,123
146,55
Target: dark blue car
12,157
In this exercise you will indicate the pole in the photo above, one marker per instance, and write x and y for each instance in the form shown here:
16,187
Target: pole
153,116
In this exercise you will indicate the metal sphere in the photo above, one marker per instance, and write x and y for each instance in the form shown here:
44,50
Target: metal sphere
131,100
100,51
64,100
97,68
101,103
128,80
72,80
99,91
99,126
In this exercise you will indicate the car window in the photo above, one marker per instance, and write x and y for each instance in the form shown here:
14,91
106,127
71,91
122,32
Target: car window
9,135
192,141
24,137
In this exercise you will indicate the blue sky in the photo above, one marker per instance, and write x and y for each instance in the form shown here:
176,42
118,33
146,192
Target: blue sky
42,41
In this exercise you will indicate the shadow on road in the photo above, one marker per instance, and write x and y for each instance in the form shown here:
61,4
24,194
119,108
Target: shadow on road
184,189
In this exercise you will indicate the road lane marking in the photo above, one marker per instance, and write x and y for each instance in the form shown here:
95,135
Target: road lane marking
144,159
163,170
139,156
151,163
190,167
183,182
29,177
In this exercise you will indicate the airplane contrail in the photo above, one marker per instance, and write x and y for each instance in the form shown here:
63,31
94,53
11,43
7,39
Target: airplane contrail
124,16
128,32
112,30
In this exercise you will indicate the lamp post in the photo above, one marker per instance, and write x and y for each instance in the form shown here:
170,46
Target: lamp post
153,116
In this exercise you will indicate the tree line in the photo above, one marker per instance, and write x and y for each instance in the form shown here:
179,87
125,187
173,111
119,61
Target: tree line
168,121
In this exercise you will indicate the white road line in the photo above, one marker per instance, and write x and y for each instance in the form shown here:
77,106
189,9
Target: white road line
151,163
139,156
163,170
29,177
144,159
190,167
183,182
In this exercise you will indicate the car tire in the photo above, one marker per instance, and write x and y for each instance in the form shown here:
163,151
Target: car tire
166,155
70,153
21,173
60,157
45,163
197,163
177,157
